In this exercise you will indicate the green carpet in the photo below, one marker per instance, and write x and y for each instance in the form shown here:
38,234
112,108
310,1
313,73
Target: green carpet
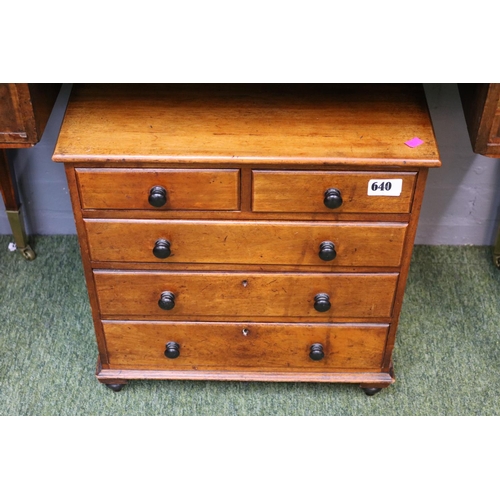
447,355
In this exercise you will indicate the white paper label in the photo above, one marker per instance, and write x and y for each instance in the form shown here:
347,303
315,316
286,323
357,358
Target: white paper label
385,187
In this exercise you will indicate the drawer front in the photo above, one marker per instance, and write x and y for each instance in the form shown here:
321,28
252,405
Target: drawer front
299,191
242,242
254,346
185,189
123,294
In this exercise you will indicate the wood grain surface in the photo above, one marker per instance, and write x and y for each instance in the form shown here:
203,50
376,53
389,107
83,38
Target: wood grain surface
233,295
186,189
246,242
252,346
24,111
299,191
246,168
326,124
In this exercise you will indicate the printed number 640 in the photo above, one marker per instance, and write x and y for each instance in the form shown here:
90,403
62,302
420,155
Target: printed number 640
385,187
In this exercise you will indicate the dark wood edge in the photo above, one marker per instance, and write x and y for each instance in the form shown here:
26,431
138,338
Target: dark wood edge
368,379
479,106
242,268
36,100
381,385
483,131
26,113
405,266
87,266
316,320
183,215
7,182
264,160
43,98
302,167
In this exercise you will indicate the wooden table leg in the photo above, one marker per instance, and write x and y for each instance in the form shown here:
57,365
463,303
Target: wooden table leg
13,208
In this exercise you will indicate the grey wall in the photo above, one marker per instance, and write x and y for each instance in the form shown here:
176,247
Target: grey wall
463,196
460,206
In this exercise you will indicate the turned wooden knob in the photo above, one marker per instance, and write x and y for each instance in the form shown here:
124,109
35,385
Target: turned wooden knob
327,251
172,350
322,302
161,249
333,198
167,301
316,352
157,196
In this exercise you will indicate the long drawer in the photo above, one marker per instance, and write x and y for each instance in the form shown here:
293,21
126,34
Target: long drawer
189,295
177,189
301,191
247,242
252,346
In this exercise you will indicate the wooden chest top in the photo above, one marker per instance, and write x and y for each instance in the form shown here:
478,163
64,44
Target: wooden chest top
280,124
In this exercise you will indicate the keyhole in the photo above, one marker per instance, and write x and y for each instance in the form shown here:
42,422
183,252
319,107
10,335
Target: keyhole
245,331
244,283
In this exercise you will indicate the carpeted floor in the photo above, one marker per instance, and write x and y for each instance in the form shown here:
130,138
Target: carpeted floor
447,355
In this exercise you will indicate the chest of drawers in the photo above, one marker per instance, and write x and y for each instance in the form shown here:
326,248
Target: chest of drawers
246,232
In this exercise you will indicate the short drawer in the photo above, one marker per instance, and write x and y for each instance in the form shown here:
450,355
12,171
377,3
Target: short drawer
180,189
247,242
300,191
186,295
253,346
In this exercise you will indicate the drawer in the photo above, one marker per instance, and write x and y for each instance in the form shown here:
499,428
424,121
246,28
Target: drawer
300,191
247,242
254,346
124,294
183,189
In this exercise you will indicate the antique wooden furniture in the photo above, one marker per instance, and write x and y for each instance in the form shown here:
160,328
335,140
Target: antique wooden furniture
246,232
481,105
24,111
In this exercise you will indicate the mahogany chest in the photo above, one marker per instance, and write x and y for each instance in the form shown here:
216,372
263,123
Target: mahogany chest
246,232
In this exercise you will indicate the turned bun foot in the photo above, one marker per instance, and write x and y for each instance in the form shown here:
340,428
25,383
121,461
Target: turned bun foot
115,387
371,391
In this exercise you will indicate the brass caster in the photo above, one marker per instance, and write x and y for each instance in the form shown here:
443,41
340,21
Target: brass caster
28,253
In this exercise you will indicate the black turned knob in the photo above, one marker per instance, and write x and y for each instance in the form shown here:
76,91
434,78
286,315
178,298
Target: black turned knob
327,251
333,198
167,301
162,249
322,302
316,353
172,350
157,196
